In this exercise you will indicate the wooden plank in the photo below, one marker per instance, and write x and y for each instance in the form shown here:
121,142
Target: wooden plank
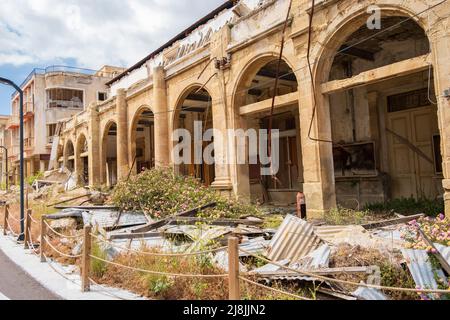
266,105
326,271
216,222
86,260
392,222
397,69
161,223
132,236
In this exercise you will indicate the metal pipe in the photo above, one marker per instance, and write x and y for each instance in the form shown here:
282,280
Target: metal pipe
22,192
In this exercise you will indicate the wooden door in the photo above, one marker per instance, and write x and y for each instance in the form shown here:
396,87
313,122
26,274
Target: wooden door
411,160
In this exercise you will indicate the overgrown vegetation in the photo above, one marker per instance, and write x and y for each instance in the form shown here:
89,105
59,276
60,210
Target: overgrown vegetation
31,179
165,287
392,275
160,193
409,206
437,230
343,216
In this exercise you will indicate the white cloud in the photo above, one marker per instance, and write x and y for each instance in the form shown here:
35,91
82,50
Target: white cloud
91,32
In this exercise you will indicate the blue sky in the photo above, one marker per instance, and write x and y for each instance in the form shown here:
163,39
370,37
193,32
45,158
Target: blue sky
86,33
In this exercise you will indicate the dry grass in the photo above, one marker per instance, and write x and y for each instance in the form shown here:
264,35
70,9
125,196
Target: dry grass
178,288
392,275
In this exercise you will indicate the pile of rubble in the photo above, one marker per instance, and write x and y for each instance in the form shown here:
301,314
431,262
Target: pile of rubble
297,244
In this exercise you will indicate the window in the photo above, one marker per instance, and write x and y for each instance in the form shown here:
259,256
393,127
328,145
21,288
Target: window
102,96
51,132
409,100
65,98
437,154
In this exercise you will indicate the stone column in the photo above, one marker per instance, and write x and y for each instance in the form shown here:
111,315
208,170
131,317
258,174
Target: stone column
162,135
441,64
94,142
122,135
319,183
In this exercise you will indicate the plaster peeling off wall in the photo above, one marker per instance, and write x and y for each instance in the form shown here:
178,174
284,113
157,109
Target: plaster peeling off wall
127,81
195,40
253,25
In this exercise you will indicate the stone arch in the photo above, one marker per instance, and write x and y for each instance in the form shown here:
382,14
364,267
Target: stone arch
343,27
82,159
373,120
253,90
143,114
69,155
108,160
195,103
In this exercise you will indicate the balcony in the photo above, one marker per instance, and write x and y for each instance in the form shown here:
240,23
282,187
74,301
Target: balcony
54,104
28,143
13,122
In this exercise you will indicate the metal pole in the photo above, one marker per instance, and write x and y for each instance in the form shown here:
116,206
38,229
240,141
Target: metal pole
22,180
6,167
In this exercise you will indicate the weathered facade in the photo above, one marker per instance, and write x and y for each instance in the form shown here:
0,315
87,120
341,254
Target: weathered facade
363,114
50,96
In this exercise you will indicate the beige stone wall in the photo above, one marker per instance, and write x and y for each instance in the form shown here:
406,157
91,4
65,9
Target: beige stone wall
334,21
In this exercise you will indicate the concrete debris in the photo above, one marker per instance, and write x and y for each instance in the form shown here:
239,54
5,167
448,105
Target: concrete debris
294,239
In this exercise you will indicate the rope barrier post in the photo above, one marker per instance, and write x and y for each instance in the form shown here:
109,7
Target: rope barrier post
28,229
5,219
233,269
86,262
43,234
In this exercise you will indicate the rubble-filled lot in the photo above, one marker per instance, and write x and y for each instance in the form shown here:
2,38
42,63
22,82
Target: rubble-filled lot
315,259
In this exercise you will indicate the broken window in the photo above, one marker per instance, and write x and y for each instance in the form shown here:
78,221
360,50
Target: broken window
102,96
65,98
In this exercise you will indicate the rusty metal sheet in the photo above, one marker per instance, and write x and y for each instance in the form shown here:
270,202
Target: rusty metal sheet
294,239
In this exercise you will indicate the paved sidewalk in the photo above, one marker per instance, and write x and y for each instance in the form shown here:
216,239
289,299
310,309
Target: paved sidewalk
60,283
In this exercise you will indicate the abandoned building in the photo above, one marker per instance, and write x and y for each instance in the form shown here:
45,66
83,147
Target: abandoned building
363,112
50,96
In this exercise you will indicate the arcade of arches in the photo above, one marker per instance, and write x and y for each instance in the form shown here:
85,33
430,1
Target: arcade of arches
373,130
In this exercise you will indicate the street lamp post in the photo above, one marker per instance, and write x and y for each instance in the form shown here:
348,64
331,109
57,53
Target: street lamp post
22,193
6,167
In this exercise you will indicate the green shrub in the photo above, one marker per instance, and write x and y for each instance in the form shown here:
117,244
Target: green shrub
98,268
160,193
31,179
409,206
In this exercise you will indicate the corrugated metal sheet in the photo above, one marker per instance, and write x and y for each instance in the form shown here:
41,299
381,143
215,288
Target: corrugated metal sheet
255,246
294,239
271,267
319,258
332,233
109,219
369,294
421,269
221,260
444,251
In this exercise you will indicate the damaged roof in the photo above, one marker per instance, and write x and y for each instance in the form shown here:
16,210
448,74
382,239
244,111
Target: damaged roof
294,239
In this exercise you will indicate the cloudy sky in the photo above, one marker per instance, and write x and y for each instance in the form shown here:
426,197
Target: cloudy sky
87,33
